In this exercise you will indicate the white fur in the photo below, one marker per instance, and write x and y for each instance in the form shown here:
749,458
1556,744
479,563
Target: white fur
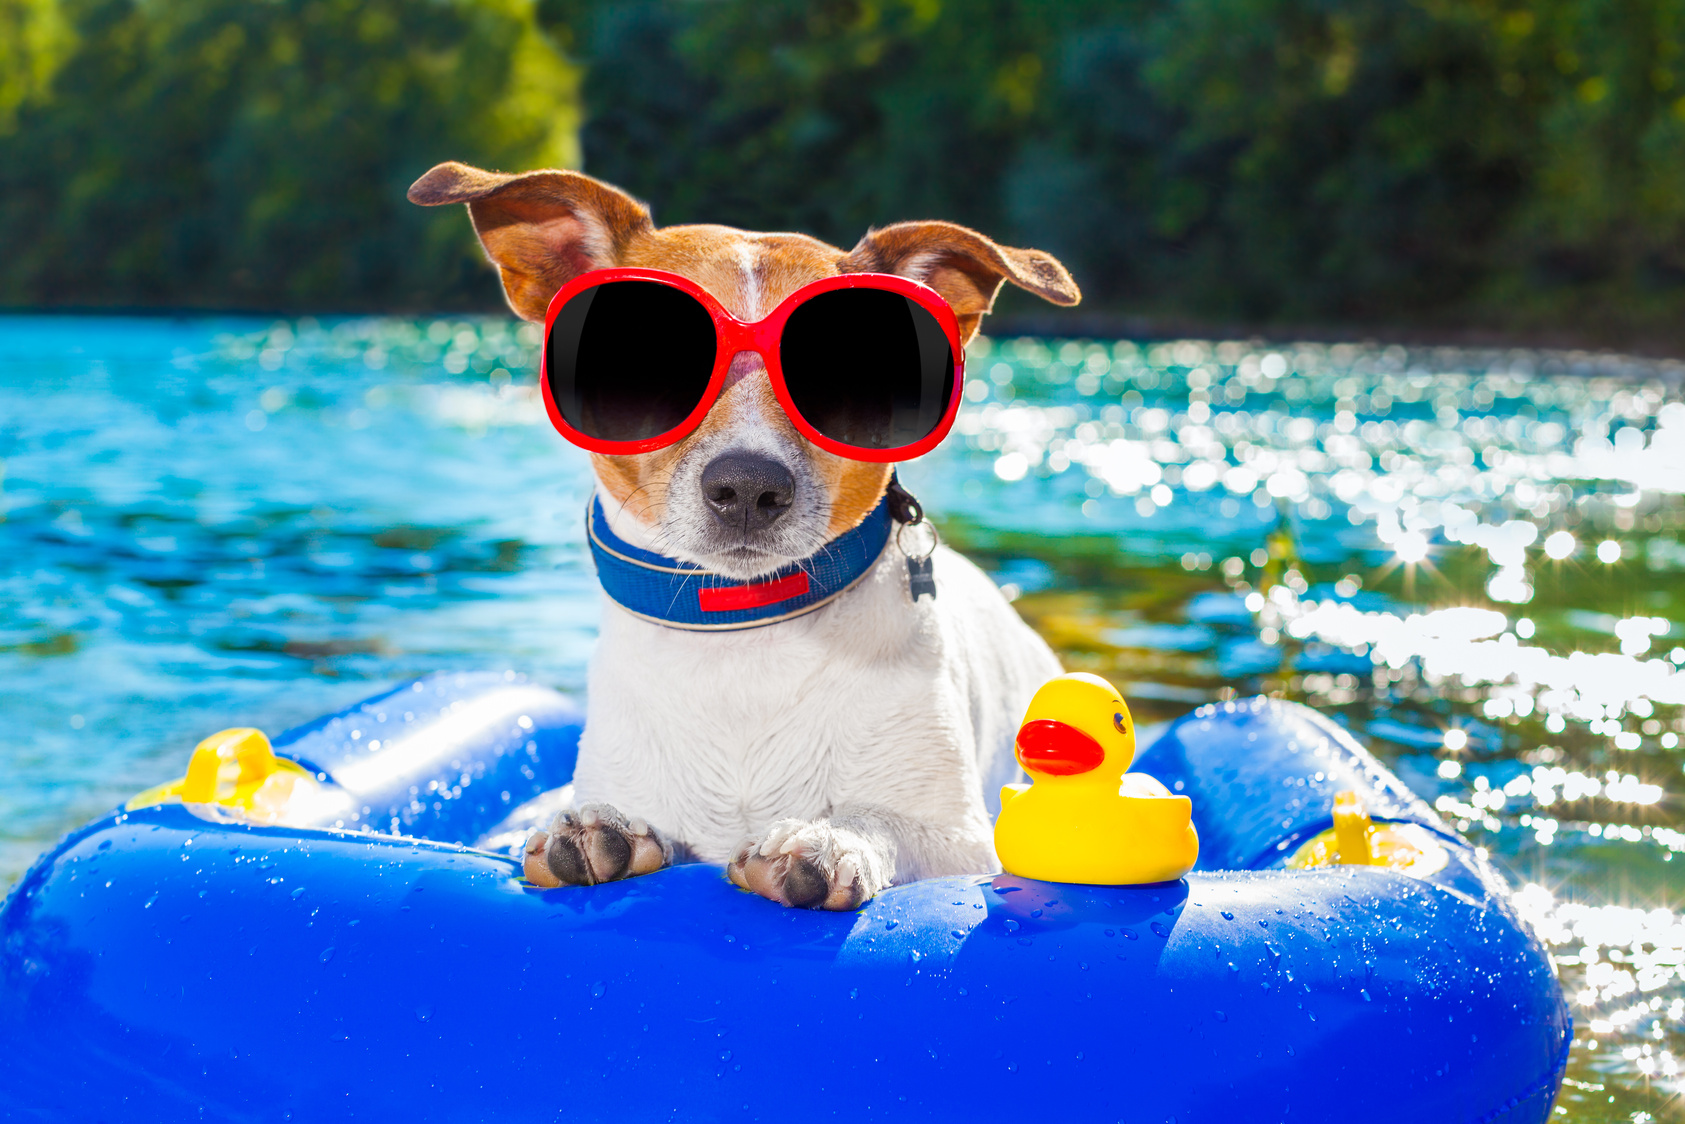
749,255
871,708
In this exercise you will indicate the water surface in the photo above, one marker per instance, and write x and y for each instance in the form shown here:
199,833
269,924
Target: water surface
1472,559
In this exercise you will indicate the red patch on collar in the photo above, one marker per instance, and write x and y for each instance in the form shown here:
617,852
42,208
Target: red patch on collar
734,598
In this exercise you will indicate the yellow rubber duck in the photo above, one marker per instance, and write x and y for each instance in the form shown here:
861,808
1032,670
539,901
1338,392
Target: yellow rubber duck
1085,818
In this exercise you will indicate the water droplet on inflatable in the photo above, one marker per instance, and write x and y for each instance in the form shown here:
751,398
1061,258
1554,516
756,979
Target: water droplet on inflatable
597,990
1159,930
891,923
327,954
1012,1067
1365,994
725,1055
298,892
149,901
424,1012
963,991
1035,913
1130,933
854,993
1011,925
1222,1018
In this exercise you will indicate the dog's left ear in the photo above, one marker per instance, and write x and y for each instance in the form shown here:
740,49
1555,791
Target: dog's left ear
962,265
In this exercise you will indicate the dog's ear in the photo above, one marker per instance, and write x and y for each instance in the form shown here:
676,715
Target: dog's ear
540,229
962,265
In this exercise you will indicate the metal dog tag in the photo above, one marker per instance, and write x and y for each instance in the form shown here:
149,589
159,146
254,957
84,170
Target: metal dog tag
921,571
921,577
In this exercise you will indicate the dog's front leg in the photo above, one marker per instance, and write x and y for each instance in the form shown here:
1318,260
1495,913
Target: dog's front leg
837,862
594,844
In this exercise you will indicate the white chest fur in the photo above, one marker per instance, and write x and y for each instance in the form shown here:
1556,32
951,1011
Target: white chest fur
872,700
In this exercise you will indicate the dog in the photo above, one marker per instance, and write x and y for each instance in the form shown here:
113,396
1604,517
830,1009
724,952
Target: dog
821,758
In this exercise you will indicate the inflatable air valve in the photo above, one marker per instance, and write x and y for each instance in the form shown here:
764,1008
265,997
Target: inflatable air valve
1353,830
1357,840
1085,818
237,769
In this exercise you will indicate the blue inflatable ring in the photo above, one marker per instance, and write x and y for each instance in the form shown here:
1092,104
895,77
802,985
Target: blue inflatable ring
172,963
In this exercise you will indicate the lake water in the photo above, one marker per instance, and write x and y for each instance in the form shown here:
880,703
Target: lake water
1472,559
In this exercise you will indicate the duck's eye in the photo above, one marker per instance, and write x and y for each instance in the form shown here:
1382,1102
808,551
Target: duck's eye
1122,726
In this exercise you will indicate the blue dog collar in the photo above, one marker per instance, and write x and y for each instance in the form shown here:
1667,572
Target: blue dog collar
678,594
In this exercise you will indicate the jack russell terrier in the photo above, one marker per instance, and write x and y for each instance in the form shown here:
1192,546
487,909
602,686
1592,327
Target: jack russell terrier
788,680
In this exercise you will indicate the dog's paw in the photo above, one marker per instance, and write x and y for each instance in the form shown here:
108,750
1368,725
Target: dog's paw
812,865
595,844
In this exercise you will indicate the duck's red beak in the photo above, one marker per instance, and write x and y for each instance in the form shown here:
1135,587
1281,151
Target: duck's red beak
1057,748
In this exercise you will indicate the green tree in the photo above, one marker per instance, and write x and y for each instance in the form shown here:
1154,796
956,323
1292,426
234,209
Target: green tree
820,115
33,41
1459,163
256,152
1430,163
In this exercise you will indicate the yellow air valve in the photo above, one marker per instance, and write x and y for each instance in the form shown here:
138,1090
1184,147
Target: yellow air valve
236,769
1353,831
1356,840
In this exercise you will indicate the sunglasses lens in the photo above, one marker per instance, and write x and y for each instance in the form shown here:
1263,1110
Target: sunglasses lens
629,360
868,367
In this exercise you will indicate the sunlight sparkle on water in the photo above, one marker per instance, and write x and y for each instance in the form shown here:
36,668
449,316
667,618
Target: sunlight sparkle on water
1559,545
1623,956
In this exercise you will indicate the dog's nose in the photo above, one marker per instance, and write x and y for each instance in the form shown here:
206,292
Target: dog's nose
747,491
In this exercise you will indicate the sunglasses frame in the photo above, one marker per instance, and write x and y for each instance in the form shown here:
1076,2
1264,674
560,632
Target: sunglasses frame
761,336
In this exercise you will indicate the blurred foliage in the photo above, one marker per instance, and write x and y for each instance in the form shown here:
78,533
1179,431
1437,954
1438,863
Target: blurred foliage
1447,163
1441,164
256,152
33,39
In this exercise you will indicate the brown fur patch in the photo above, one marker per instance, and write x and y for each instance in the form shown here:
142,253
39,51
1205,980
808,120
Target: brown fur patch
639,483
855,487
716,257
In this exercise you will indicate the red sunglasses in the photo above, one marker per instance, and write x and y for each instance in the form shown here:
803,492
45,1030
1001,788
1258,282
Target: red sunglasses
868,366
